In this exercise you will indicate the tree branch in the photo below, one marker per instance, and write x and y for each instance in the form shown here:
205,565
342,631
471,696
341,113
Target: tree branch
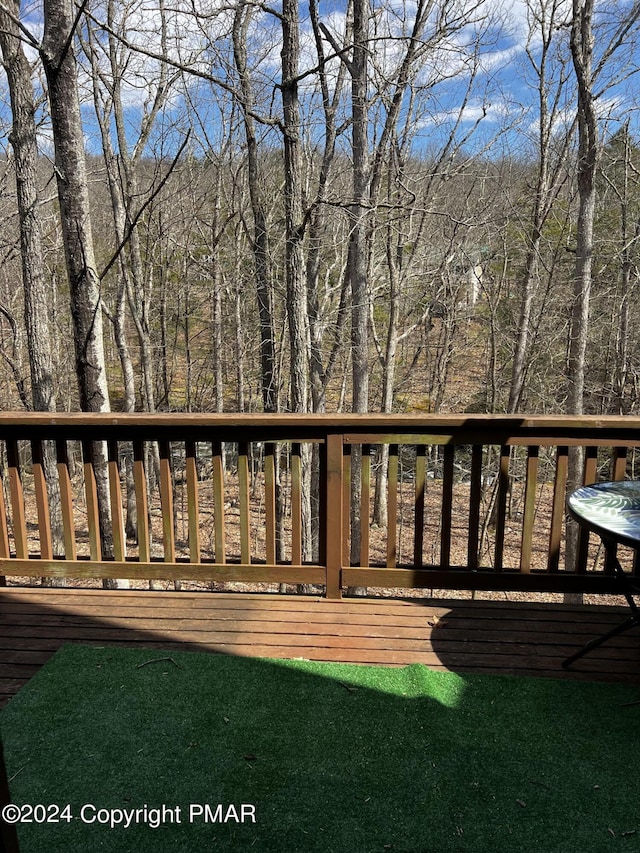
136,218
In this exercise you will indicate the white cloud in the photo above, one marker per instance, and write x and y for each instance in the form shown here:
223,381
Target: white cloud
473,112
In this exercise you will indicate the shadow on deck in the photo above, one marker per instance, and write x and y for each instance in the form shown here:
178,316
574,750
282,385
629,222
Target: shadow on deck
514,638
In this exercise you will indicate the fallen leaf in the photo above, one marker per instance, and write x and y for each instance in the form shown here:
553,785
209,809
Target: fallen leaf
521,803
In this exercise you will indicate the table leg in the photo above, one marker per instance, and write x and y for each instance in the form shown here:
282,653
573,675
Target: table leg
627,590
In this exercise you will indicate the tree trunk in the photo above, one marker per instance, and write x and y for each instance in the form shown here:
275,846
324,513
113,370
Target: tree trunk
59,64
297,313
622,333
37,294
297,310
357,258
217,330
261,251
552,152
60,68
582,42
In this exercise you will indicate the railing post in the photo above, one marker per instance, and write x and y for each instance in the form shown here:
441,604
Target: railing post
333,509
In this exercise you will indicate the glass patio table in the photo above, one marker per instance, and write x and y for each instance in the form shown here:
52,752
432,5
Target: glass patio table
612,511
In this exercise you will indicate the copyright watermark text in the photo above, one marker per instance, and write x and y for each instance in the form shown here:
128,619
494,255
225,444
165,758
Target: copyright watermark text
123,818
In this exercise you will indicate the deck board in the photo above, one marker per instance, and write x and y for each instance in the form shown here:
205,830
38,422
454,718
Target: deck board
514,638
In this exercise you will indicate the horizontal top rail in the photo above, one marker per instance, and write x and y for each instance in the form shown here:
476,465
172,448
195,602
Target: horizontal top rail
342,421
583,430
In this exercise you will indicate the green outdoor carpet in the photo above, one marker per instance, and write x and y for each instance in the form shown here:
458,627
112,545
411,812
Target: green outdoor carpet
207,753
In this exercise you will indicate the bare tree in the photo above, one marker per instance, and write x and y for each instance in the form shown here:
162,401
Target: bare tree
261,247
297,311
37,293
582,44
594,76
58,59
24,142
619,215
59,62
549,64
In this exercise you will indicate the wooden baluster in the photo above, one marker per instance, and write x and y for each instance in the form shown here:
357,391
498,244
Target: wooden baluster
419,499
270,502
365,503
558,508
447,506
530,491
193,502
66,501
345,503
475,501
5,552
17,501
115,493
392,508
243,502
218,502
334,515
42,501
618,471
296,505
501,505
91,495
619,463
142,503
322,503
590,465
589,476
166,502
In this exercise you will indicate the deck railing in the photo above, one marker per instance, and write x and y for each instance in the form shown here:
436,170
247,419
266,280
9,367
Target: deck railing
472,502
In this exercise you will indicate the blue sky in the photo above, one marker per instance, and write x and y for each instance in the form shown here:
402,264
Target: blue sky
478,77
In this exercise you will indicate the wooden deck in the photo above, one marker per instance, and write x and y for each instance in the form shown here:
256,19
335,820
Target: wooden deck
463,636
